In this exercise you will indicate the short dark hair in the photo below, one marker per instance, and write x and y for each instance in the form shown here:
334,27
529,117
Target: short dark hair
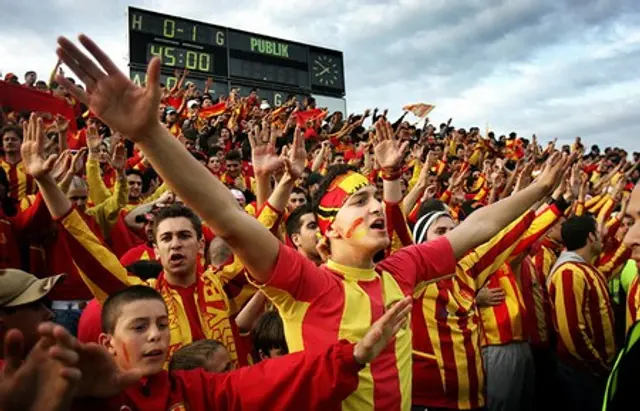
194,355
576,230
112,307
294,221
134,172
177,210
145,269
300,190
431,205
9,128
268,334
233,155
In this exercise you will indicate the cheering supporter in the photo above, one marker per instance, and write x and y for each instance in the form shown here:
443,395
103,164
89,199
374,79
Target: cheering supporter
353,224
20,184
332,219
582,313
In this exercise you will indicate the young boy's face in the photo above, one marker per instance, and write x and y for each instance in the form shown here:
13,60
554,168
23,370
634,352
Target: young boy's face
141,336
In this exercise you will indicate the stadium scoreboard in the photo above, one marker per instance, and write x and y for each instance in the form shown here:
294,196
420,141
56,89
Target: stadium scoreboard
232,58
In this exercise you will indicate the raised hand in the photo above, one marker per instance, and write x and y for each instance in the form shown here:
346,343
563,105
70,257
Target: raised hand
35,161
382,331
389,150
93,139
297,157
119,158
46,379
61,166
127,108
263,150
553,170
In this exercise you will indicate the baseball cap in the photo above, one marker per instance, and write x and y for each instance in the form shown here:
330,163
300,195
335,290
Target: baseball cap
18,287
193,103
171,109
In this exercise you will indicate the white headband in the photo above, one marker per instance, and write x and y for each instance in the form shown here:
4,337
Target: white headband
423,224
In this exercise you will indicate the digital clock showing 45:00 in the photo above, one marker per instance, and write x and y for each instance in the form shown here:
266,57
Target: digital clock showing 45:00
180,57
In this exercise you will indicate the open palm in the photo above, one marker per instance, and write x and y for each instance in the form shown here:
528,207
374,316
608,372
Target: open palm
35,161
101,376
264,158
389,151
110,94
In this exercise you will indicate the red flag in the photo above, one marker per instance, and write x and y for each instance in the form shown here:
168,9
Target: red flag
215,110
20,98
420,110
314,114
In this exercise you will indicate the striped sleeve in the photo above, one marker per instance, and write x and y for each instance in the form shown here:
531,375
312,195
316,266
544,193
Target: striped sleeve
611,228
270,218
593,201
99,268
544,260
546,218
98,191
396,227
606,210
568,297
611,262
485,259
633,302
107,212
579,209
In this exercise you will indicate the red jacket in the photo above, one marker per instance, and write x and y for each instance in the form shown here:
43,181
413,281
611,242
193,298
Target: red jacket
300,381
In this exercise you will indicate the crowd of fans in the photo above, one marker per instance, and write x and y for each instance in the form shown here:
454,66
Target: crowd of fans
219,253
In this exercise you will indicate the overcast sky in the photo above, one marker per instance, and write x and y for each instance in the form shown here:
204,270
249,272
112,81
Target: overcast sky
555,68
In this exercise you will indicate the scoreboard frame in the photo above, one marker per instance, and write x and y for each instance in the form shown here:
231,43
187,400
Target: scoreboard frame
231,56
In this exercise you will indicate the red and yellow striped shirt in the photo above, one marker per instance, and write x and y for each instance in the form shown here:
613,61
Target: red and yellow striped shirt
322,305
447,362
505,322
633,302
21,184
582,317
536,303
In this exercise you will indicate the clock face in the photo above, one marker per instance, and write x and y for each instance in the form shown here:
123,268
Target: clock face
326,71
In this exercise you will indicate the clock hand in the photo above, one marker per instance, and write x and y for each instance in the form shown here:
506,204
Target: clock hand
320,64
323,71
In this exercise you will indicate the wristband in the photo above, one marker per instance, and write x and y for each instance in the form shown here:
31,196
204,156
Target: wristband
561,204
391,174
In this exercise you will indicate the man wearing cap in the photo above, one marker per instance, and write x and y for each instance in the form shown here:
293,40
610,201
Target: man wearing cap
23,304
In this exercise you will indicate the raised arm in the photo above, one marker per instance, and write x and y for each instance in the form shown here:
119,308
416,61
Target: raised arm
483,224
133,111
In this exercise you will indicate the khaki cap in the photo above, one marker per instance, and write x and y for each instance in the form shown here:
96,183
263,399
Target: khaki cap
18,287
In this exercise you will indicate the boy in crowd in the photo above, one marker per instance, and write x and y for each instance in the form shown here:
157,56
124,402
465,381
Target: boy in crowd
136,332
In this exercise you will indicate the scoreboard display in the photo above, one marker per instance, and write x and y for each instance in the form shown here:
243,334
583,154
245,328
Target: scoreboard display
231,57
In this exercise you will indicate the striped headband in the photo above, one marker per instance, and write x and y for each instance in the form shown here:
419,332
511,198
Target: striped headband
338,192
423,224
